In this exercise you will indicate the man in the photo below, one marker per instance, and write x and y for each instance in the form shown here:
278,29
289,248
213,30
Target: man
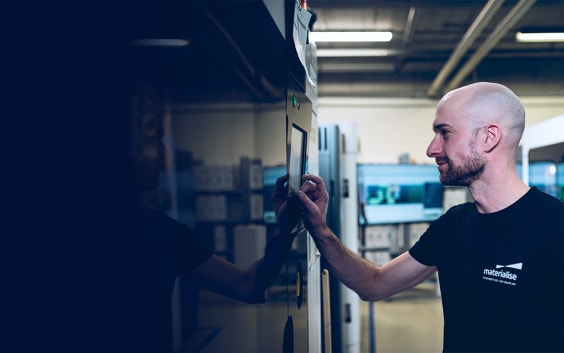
499,258
169,248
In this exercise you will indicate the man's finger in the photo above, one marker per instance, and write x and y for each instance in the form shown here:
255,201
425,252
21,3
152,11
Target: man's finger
308,186
313,178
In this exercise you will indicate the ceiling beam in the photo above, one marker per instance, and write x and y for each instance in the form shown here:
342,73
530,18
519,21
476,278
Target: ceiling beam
465,43
502,28
409,27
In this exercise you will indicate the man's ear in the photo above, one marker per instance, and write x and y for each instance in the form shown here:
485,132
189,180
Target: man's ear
493,137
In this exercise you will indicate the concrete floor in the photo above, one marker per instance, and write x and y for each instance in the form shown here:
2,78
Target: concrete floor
409,322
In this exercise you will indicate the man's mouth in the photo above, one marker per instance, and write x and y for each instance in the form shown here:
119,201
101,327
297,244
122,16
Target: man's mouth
442,164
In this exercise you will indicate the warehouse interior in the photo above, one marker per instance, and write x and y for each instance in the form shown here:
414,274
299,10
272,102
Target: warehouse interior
236,60
228,81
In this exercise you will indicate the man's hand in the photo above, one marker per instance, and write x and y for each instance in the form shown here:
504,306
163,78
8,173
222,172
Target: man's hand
314,199
287,210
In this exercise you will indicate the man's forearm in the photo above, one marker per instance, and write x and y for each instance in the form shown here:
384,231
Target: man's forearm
349,267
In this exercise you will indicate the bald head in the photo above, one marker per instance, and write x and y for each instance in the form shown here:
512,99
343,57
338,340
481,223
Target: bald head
484,103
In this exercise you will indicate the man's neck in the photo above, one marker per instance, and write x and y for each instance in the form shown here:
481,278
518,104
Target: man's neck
495,196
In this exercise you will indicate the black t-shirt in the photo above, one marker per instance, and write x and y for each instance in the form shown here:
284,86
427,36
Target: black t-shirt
170,249
501,275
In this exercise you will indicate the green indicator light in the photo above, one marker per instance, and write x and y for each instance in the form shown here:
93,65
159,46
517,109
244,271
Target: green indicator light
294,101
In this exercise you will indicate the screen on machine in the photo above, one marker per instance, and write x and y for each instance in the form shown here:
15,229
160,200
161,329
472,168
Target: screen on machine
398,193
296,163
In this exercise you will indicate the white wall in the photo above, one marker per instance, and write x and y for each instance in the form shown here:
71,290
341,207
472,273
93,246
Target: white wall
387,128
210,133
222,134
270,135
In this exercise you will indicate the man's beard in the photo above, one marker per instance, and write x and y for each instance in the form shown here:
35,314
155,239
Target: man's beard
463,175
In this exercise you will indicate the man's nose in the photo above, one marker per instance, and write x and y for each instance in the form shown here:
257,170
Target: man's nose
434,148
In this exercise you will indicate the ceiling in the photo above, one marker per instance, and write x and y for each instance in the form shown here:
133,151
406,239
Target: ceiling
439,45
237,53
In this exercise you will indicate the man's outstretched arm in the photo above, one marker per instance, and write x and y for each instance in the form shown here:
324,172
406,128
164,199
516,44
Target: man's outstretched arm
362,276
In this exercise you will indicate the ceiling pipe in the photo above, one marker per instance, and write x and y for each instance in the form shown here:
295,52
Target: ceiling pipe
502,28
409,27
465,43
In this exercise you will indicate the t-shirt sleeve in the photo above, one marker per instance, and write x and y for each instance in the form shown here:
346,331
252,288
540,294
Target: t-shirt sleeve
428,249
555,225
424,249
560,264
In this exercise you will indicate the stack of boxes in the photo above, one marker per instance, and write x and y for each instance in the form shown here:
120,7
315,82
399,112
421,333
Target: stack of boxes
229,193
384,241
378,241
229,203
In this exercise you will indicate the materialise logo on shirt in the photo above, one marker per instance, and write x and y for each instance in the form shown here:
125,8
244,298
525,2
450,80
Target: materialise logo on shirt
518,266
502,274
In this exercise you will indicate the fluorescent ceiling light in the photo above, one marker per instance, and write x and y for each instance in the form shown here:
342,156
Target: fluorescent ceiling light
347,67
540,37
352,52
350,36
160,42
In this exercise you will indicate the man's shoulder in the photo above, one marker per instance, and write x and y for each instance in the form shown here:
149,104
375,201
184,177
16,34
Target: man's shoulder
551,200
545,203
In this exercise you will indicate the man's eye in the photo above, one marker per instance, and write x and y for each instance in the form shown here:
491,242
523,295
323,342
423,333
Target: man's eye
444,133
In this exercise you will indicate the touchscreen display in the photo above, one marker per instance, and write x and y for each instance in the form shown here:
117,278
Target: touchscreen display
296,164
